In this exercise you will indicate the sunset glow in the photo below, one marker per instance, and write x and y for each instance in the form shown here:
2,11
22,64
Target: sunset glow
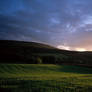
70,48
80,49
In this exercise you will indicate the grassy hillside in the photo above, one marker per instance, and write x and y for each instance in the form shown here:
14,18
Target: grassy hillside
24,52
28,70
29,52
45,78
43,69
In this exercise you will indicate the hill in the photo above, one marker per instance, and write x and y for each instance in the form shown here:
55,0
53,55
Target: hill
44,78
24,44
32,52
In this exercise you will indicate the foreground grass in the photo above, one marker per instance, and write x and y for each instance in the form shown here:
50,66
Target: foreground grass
45,78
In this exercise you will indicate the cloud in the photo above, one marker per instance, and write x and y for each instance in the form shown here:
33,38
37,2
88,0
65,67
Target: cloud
55,22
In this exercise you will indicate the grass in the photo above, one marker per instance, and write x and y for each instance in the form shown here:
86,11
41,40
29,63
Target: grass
45,78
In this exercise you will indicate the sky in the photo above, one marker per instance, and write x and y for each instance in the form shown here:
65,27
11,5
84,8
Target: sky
65,24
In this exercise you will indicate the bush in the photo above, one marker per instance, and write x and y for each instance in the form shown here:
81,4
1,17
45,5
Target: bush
38,60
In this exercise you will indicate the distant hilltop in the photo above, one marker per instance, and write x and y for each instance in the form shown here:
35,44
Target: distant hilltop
27,52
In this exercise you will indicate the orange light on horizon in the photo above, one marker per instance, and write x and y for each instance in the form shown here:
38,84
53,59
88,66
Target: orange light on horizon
80,49
70,48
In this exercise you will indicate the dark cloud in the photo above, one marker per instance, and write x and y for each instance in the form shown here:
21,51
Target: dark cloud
56,22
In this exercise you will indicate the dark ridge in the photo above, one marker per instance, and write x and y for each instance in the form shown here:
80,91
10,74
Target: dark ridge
23,43
24,52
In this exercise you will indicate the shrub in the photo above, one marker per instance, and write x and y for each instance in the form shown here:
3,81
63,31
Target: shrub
38,60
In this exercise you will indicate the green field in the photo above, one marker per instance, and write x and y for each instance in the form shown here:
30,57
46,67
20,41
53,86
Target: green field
45,78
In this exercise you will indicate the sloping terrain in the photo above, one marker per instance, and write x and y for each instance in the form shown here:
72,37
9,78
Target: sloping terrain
19,51
28,52
44,78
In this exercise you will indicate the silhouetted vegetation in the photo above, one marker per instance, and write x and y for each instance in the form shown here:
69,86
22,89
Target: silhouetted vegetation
28,52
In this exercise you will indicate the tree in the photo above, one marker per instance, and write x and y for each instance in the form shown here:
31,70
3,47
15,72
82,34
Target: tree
38,60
